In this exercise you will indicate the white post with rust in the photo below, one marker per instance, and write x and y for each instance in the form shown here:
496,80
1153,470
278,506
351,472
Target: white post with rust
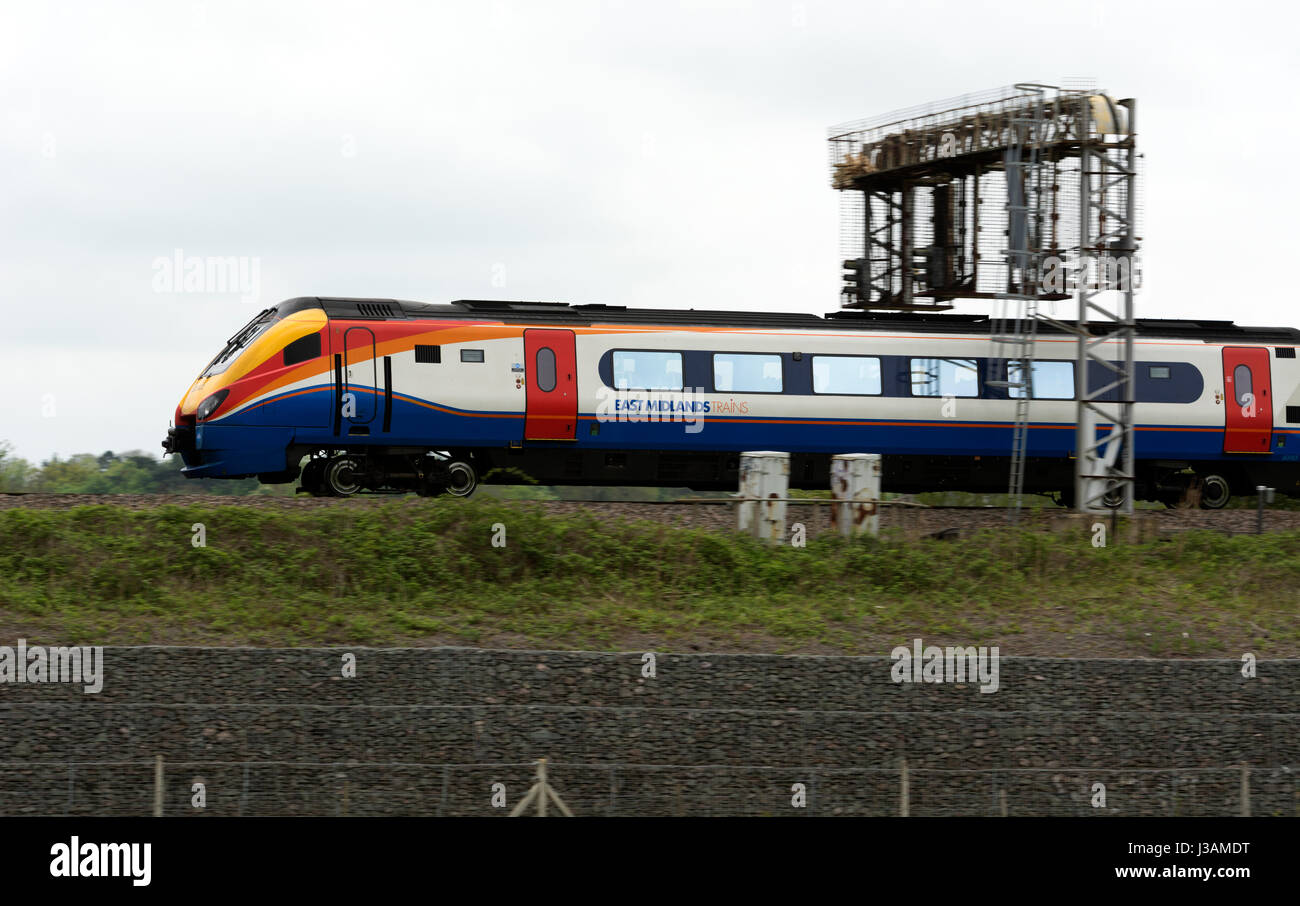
764,486
855,490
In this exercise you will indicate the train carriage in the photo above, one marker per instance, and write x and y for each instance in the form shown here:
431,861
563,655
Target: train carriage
369,395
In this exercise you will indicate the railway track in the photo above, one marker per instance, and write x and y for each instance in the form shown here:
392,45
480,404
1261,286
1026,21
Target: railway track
40,499
710,513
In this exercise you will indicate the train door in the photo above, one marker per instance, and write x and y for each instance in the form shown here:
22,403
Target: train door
550,363
1248,425
359,384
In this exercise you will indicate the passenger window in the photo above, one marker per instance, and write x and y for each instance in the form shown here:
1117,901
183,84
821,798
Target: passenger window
647,370
945,377
303,349
545,369
746,373
849,375
1052,380
1241,384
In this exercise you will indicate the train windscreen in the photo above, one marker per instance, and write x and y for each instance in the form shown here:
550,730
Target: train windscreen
250,332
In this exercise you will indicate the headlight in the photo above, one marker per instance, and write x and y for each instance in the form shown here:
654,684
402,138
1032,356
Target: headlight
209,405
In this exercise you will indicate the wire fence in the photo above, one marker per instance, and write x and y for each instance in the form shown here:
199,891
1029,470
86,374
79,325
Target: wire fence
446,732
351,788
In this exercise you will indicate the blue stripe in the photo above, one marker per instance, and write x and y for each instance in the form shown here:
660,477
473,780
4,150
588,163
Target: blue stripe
247,448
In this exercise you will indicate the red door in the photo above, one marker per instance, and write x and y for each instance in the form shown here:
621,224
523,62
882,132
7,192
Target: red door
359,377
550,363
1248,426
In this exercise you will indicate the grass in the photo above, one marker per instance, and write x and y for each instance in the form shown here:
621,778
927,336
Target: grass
426,573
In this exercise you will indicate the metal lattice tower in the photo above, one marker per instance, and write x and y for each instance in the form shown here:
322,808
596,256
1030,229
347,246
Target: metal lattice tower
1107,243
1020,196
1015,312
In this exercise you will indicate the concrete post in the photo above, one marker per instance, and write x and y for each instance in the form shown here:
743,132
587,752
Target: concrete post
855,488
764,486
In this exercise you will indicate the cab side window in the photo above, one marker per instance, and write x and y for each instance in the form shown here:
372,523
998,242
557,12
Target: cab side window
303,349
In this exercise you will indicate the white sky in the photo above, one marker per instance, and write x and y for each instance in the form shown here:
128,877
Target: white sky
646,154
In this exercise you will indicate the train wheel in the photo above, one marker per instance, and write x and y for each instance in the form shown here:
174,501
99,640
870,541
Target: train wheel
1215,492
461,479
342,477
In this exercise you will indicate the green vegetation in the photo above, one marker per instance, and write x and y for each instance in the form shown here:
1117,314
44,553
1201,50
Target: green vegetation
134,472
426,572
137,472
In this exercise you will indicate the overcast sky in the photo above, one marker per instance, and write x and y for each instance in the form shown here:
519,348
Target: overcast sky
648,154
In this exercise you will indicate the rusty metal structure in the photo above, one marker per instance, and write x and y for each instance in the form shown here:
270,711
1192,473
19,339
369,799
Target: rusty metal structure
1023,196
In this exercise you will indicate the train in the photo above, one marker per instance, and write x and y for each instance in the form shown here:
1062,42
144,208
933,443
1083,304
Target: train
352,396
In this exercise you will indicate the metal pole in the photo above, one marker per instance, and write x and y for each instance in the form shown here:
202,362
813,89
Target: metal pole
541,787
1085,430
1129,245
525,802
905,805
559,803
1245,790
158,786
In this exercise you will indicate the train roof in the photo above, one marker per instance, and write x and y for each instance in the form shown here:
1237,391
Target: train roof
592,314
